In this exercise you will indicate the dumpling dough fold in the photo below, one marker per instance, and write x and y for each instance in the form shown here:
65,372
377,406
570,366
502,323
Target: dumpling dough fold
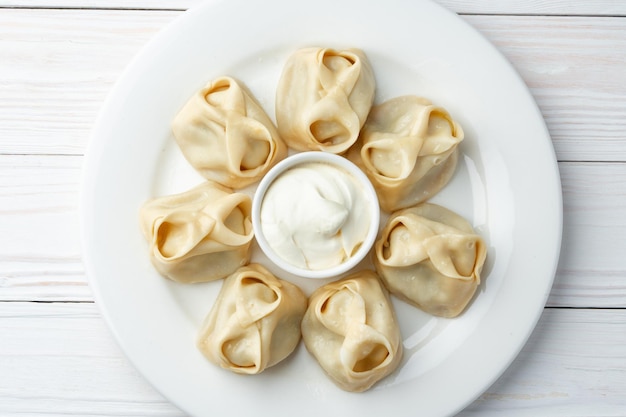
350,327
226,136
408,149
199,235
430,257
255,322
323,98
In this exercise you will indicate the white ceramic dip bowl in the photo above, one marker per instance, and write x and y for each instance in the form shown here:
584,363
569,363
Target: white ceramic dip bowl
315,215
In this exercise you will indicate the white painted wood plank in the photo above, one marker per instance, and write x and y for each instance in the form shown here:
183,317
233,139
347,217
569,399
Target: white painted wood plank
104,4
40,254
592,266
537,7
59,359
56,67
40,250
576,70
510,7
574,365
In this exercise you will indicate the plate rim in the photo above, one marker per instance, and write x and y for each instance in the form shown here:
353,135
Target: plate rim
95,146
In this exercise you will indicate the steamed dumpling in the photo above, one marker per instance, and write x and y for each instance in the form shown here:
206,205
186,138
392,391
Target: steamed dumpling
430,257
351,329
323,98
226,136
199,235
255,322
408,149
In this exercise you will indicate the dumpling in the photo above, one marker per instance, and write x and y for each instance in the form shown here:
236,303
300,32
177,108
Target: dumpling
430,257
254,323
199,235
323,98
408,149
226,136
350,327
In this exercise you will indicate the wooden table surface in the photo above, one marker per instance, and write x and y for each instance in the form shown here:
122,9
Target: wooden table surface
60,58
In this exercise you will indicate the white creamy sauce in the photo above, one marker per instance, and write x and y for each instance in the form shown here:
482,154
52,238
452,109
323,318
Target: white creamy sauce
315,215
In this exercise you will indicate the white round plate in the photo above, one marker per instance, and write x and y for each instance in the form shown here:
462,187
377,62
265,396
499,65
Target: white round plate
507,185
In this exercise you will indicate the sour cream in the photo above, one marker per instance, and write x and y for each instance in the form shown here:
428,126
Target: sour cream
316,215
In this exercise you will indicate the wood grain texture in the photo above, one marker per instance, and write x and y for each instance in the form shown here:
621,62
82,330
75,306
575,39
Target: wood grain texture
592,268
63,361
179,5
56,69
537,7
577,79
51,88
574,364
508,7
40,254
